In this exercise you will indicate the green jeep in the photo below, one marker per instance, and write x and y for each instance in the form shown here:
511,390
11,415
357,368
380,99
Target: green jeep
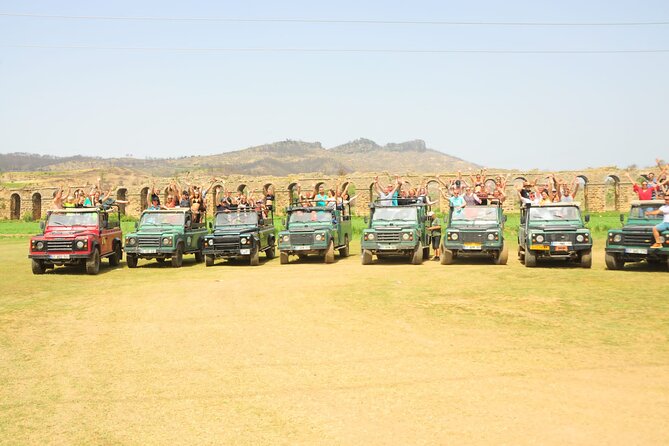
240,233
315,230
554,231
632,242
396,231
165,234
475,230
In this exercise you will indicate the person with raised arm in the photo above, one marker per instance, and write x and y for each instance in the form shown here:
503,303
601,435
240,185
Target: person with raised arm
387,195
643,191
664,226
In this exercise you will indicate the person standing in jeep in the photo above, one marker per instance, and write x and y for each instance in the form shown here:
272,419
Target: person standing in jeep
664,226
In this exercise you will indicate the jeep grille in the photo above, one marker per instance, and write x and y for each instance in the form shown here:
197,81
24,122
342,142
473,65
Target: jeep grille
638,238
297,238
59,245
472,237
388,236
148,242
560,237
227,242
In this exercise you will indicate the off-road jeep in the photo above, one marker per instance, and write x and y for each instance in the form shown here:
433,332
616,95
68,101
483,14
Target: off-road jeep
554,231
77,236
475,230
632,242
396,231
240,234
315,230
165,234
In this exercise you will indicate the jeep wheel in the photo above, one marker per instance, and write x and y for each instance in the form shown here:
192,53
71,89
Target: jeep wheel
366,257
417,257
199,257
613,261
446,257
255,257
329,253
502,256
521,255
586,259
131,260
344,252
530,259
178,256
209,260
270,252
115,258
38,266
283,258
93,263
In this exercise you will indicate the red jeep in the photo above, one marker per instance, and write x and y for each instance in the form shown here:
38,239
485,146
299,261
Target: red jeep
77,236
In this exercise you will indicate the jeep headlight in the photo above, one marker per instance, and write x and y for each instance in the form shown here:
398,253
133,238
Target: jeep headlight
244,241
580,238
167,241
454,236
370,236
540,238
131,241
285,238
405,236
39,246
210,242
491,236
618,238
80,244
319,237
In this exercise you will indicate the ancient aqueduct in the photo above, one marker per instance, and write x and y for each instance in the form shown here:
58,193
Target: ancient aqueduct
601,189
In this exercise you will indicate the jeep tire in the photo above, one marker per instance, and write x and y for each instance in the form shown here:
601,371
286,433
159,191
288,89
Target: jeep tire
283,258
199,257
366,257
446,257
345,250
93,263
255,256
131,260
115,258
178,256
613,261
586,259
270,252
501,257
417,257
209,260
530,258
329,253
38,266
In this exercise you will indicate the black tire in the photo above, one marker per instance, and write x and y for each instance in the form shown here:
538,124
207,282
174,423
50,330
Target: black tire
178,256
131,260
283,258
502,256
329,253
586,259
446,257
38,266
530,259
426,252
209,260
417,257
270,252
613,261
93,263
366,257
199,257
255,256
115,258
345,251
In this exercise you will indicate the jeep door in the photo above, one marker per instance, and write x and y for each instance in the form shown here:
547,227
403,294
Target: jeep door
522,228
106,234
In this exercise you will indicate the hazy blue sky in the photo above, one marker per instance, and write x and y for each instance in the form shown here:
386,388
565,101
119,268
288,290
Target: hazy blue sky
504,110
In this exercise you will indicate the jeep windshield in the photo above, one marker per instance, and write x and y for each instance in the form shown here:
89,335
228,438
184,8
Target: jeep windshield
73,219
162,218
307,216
395,213
474,216
638,212
554,214
236,218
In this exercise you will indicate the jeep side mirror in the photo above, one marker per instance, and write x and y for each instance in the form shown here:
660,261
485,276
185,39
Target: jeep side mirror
587,218
211,225
42,225
504,219
365,219
622,218
136,226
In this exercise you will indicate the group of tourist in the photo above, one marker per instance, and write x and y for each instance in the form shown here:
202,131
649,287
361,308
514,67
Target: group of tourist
337,197
652,186
78,198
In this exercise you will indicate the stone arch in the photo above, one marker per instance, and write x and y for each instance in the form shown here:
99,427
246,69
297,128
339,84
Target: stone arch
292,193
434,193
611,192
243,189
490,185
215,192
352,191
122,194
15,207
143,199
372,191
37,206
582,192
518,181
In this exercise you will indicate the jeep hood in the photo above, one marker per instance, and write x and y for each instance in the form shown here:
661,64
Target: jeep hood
235,231
638,228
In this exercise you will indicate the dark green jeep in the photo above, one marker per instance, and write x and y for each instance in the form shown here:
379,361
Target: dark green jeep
475,230
396,231
554,231
632,243
243,233
315,230
165,234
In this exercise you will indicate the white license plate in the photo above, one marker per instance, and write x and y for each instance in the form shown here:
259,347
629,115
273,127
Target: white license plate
245,251
636,251
561,244
59,256
302,248
472,246
148,251
388,247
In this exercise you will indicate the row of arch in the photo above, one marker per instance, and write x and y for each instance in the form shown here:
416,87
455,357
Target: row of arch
611,182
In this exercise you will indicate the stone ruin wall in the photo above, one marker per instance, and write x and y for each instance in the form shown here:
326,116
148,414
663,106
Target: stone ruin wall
603,189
